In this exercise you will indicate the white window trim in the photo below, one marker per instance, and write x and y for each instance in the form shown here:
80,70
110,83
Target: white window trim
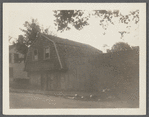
44,53
34,55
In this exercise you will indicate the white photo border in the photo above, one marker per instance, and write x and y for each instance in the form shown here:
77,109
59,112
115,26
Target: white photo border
79,111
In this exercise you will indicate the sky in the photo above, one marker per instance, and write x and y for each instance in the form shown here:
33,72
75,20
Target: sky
92,34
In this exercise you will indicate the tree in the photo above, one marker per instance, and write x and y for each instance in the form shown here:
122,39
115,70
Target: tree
120,46
79,18
73,17
10,39
21,47
31,29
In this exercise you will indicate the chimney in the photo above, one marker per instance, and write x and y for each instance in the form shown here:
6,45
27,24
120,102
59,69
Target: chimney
20,39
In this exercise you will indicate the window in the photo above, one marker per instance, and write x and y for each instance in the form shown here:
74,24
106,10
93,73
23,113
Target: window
35,55
16,58
10,72
10,58
47,53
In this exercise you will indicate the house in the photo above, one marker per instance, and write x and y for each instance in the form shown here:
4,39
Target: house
16,65
54,63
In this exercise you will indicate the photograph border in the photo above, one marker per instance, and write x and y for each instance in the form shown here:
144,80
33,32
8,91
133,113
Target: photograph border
71,111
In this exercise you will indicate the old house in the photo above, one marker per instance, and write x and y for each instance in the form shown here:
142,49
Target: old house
16,65
54,63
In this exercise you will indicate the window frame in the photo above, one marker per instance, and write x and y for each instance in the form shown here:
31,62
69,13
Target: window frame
45,52
33,55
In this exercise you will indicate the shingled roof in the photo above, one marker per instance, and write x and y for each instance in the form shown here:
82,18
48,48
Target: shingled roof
72,47
67,49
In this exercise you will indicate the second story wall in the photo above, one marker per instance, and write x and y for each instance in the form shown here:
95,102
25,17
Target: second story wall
42,56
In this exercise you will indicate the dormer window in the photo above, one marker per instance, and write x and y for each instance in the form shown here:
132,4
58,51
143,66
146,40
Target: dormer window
35,55
47,53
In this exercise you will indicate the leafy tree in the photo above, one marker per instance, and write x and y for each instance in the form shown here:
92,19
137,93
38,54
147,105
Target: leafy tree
30,32
73,17
10,39
135,47
120,46
80,18
21,47
31,29
64,19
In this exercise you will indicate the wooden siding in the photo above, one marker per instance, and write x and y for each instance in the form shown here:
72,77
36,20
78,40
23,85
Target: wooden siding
35,79
87,70
41,64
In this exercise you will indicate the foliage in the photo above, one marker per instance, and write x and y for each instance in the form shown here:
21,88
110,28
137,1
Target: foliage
74,17
31,29
120,46
20,45
79,18
9,38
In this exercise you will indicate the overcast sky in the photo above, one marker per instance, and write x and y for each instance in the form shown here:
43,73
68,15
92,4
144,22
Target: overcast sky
92,34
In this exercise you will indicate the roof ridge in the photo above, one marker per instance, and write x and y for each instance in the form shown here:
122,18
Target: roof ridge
65,39
55,49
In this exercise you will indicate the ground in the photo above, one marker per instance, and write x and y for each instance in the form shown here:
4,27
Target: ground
29,100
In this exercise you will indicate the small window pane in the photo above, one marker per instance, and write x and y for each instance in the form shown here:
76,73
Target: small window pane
47,50
47,53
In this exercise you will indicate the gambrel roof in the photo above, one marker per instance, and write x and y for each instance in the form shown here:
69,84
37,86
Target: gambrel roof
68,49
73,48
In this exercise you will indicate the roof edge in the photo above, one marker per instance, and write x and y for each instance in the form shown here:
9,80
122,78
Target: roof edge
55,49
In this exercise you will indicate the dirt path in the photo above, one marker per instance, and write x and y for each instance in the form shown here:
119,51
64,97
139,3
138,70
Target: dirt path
26,100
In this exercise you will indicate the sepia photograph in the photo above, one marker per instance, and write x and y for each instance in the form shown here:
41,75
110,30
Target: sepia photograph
74,58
